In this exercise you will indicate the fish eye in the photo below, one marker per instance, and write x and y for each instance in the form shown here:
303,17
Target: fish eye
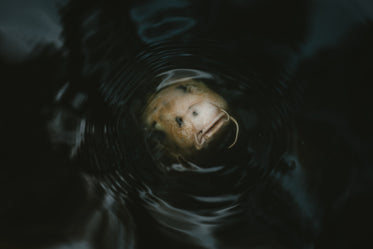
182,88
195,113
179,121
188,88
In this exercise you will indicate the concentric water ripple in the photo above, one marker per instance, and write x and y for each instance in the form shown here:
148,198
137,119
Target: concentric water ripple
184,198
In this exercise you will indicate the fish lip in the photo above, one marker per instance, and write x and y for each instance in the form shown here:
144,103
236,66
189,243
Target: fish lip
203,136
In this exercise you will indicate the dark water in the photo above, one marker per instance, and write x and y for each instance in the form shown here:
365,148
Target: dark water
78,171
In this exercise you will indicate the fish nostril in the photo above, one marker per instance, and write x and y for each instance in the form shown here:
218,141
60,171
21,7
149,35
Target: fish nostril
195,113
179,121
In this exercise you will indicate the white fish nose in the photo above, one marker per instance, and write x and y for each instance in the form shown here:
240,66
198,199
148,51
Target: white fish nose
201,114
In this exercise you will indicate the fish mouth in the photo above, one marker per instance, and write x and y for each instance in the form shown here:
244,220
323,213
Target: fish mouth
204,135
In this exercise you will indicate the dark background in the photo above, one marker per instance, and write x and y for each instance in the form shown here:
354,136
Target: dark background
48,200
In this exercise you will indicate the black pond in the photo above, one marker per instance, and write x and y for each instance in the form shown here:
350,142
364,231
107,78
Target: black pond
77,171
